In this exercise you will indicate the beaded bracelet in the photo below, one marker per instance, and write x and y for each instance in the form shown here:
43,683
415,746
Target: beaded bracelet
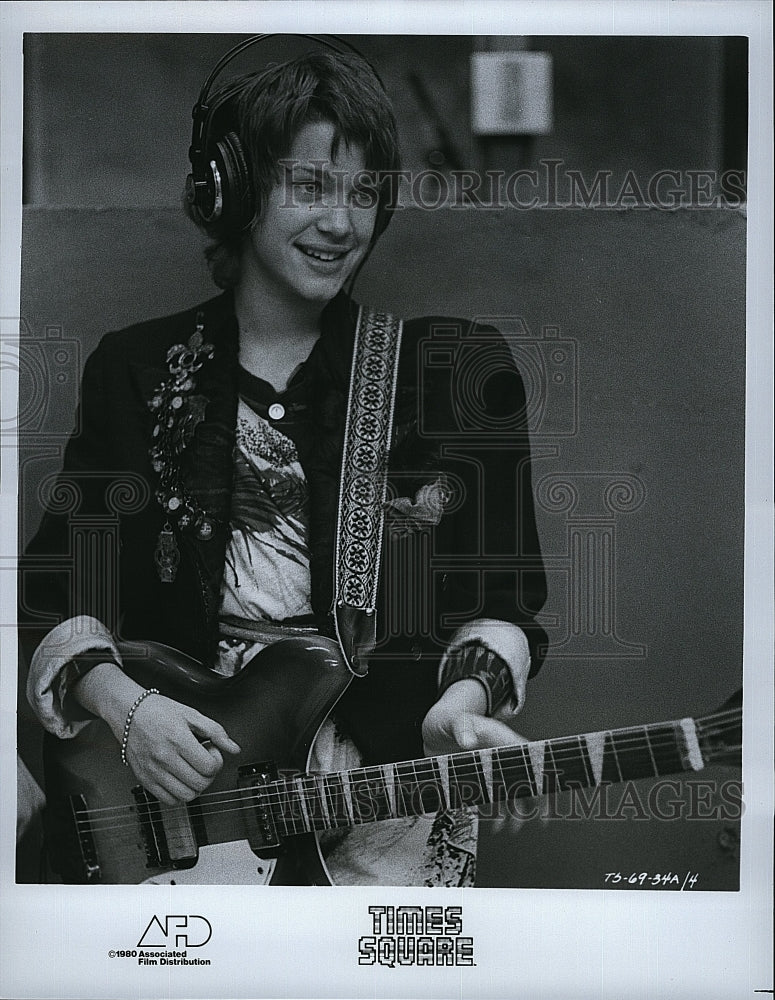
130,715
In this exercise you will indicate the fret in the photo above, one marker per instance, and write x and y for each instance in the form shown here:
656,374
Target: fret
431,795
517,774
419,792
589,776
411,788
568,765
595,744
338,799
484,761
612,771
315,807
278,801
291,807
302,796
650,750
389,779
401,792
319,786
552,774
666,746
368,795
466,781
636,756
407,788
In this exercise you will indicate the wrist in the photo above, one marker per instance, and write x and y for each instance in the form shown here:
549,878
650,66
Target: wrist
468,694
106,691
475,661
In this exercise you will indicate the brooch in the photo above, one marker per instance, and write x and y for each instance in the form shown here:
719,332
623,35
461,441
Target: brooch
404,515
178,411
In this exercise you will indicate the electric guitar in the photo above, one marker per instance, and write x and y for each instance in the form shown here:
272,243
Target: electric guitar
104,828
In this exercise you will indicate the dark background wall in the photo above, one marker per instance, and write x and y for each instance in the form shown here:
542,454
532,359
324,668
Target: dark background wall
107,117
650,302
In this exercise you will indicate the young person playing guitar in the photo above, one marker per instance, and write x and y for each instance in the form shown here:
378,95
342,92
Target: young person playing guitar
250,520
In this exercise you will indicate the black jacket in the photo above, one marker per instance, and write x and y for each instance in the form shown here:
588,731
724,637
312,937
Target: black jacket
460,411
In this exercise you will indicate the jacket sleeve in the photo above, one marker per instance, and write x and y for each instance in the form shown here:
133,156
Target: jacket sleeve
488,537
67,576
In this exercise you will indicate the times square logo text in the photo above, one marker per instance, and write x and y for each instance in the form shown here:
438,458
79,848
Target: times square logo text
415,935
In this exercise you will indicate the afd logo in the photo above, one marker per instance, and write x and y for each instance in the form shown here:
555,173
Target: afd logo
188,930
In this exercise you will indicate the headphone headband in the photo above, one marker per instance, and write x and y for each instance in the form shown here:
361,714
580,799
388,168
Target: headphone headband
339,45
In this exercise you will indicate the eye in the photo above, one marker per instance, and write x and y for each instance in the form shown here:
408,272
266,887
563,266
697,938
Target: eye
307,187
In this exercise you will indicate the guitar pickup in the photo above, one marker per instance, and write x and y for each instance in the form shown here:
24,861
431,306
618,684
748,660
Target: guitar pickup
260,823
167,832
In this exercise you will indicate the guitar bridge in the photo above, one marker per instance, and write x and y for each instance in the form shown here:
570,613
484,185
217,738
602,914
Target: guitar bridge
260,825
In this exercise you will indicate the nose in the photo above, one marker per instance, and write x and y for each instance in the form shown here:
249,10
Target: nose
336,222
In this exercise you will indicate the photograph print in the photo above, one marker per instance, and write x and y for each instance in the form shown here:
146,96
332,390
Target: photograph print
382,460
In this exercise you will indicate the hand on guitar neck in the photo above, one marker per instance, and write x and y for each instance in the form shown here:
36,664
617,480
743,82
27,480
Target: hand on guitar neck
459,721
164,745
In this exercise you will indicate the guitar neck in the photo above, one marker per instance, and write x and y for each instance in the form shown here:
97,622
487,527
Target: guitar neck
366,794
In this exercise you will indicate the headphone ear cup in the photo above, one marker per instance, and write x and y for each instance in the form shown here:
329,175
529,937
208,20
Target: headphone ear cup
238,198
226,202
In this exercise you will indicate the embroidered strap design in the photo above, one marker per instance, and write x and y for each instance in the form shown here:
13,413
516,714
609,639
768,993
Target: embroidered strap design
364,466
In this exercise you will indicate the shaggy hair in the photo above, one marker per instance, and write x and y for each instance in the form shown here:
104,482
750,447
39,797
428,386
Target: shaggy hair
267,110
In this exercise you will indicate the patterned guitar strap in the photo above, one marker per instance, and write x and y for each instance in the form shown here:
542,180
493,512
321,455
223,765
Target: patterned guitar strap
363,484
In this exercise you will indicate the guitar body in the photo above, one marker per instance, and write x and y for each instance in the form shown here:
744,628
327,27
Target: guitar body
273,709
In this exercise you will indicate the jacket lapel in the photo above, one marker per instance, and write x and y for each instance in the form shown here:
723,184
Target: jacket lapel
208,465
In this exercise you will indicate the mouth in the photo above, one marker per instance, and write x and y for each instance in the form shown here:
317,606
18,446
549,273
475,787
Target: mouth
325,256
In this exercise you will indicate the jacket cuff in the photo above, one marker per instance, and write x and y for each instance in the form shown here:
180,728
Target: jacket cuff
506,641
52,673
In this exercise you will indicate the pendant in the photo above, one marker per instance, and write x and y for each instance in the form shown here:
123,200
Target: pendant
167,555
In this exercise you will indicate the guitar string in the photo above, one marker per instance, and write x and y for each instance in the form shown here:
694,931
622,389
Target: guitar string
425,767
284,804
291,822
639,740
129,834
463,765
369,785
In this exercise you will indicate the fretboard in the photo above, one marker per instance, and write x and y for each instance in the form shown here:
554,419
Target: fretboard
363,795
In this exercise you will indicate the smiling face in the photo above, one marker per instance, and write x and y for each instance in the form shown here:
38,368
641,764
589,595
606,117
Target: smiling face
315,227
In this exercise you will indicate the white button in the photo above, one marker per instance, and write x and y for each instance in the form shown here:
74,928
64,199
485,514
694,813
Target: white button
276,411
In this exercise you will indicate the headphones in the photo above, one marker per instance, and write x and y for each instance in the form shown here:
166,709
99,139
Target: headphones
219,188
